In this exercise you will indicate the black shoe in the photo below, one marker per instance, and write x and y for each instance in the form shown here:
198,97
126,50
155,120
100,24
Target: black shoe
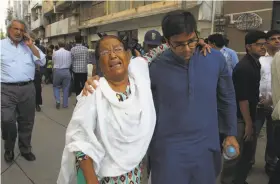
38,108
29,156
9,156
269,169
57,105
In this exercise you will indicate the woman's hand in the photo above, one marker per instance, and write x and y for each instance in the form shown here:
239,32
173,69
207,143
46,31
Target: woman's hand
205,47
90,85
137,53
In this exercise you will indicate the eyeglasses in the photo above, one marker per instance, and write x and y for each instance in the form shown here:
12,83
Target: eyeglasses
259,44
274,39
116,50
182,47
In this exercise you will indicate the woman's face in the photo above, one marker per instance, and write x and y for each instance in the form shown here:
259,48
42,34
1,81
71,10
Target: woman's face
113,59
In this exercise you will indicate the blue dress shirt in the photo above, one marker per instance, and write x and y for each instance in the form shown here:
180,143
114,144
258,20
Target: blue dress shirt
18,63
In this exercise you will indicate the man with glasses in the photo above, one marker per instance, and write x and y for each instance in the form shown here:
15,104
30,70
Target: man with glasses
19,56
188,88
246,79
265,107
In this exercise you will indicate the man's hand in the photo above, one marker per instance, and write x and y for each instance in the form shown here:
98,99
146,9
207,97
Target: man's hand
29,40
248,131
92,82
231,141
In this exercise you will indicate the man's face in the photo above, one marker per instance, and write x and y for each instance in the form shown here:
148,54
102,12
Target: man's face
258,48
147,47
273,42
16,31
183,44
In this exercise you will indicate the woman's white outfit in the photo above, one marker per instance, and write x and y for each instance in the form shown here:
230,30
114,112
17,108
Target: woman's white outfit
116,135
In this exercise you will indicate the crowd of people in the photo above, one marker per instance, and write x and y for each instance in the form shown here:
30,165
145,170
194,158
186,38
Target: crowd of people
175,108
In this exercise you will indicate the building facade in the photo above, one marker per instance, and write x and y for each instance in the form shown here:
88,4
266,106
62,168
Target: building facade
37,20
18,9
238,17
62,21
65,19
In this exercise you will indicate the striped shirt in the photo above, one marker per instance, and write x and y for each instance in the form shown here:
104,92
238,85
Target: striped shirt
80,58
62,59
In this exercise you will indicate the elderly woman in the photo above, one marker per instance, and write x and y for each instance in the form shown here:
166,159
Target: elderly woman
111,129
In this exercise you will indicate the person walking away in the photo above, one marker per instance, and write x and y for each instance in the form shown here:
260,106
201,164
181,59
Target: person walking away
80,60
49,69
61,74
265,107
18,62
38,88
246,79
43,49
39,73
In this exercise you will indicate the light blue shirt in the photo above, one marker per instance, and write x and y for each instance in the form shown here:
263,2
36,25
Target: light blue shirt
18,63
231,58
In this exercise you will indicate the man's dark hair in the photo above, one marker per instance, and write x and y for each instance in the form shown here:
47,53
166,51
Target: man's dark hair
226,41
56,47
253,36
163,40
98,45
61,44
272,33
78,39
217,40
178,23
51,46
37,42
206,40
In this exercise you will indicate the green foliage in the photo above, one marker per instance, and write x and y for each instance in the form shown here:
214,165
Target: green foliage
2,34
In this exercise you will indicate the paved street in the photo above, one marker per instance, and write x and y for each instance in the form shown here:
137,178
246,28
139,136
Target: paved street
48,142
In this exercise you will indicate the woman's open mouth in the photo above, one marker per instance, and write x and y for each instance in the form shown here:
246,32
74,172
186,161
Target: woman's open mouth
115,64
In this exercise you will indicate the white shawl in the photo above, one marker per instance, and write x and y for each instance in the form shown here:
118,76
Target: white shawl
116,135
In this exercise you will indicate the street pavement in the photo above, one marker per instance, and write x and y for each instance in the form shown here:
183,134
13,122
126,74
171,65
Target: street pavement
48,143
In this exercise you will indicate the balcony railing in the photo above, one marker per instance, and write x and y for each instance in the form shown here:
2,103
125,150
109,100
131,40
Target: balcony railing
37,23
62,27
115,11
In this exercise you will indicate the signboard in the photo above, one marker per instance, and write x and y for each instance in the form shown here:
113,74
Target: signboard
248,21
